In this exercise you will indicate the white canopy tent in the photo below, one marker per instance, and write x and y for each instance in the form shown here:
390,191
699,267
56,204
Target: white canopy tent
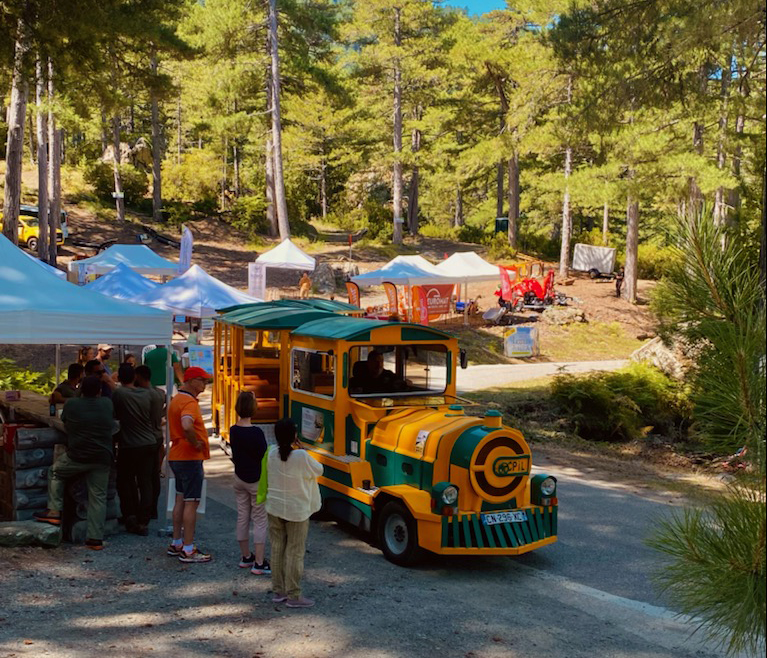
468,267
195,294
122,283
36,307
138,257
287,256
404,270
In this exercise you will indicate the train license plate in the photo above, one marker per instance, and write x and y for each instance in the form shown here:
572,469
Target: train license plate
504,517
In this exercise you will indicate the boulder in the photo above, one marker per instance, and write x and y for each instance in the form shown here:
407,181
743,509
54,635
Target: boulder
323,278
29,533
662,357
562,315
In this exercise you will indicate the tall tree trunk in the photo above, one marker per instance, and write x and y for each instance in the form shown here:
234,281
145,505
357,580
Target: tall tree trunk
720,198
271,215
224,173
499,170
737,152
413,200
567,222
632,242
17,111
324,188
119,196
104,132
54,170
605,222
157,148
397,137
280,199
236,169
695,194
458,216
31,140
514,200
41,122
179,136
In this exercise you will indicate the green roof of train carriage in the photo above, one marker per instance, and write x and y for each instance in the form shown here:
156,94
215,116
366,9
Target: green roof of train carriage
273,317
315,303
340,327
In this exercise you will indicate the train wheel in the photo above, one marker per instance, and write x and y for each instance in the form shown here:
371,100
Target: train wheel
398,535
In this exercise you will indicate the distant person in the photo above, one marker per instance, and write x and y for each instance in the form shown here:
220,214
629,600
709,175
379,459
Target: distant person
95,368
248,445
619,281
157,360
194,335
188,449
89,423
293,496
137,451
304,286
85,354
70,387
104,354
144,380
128,359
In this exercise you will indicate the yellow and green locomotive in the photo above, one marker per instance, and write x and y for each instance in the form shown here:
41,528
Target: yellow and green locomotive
375,403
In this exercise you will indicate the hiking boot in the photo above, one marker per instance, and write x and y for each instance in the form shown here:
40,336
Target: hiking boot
195,556
94,544
246,562
300,603
174,551
54,518
261,569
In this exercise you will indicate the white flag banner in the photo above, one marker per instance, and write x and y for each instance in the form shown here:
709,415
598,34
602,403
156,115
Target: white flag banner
185,256
257,280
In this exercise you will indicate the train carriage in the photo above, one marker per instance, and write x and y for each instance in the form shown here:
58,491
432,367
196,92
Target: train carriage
375,402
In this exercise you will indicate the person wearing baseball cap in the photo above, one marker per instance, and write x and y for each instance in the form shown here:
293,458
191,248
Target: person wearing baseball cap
188,449
104,354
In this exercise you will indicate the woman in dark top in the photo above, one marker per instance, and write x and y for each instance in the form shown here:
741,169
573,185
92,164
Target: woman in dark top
248,445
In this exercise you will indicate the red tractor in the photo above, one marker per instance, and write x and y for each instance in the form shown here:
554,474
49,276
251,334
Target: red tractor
529,294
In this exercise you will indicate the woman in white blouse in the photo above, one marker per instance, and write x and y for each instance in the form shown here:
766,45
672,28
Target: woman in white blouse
293,496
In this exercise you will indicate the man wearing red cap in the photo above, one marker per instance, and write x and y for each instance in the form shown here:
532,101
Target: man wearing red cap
188,449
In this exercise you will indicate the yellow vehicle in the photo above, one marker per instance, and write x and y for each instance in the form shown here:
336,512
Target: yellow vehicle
375,403
29,228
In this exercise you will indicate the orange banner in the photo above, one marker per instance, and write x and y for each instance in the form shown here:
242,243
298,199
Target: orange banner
438,298
353,290
505,284
391,297
420,306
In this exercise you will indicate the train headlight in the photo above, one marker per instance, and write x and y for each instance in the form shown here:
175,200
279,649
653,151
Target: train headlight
543,490
548,486
450,495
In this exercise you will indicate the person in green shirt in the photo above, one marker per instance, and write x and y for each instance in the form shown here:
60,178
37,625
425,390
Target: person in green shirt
157,360
89,422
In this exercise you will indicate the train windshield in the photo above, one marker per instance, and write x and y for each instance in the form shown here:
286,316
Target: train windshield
398,370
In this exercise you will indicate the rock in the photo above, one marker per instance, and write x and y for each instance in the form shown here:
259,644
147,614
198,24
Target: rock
659,355
141,154
29,533
323,278
562,315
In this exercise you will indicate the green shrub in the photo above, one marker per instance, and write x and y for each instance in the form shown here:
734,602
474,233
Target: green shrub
378,220
195,179
654,262
472,233
101,176
12,378
539,244
439,231
248,215
498,248
621,405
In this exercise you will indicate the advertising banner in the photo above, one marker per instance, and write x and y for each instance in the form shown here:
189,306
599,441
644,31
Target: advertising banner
521,342
505,284
391,297
438,298
420,306
257,280
353,290
185,255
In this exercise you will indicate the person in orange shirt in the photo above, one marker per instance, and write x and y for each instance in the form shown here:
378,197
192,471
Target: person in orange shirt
188,449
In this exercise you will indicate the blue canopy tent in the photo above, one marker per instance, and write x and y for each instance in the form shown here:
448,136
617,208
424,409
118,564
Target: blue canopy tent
138,257
122,283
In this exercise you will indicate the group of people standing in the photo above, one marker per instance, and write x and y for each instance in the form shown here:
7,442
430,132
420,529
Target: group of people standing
275,488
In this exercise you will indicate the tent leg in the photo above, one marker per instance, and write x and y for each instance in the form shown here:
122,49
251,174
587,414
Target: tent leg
167,530
466,303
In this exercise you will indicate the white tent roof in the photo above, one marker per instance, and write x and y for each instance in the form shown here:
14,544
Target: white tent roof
45,266
38,308
468,266
195,293
287,256
138,257
122,283
405,270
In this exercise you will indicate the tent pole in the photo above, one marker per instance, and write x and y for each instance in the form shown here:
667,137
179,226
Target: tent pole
466,302
58,364
168,529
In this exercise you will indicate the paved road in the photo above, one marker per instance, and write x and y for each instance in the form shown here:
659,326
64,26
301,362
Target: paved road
475,378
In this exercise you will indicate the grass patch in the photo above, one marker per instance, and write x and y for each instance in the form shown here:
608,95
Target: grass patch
587,342
482,347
